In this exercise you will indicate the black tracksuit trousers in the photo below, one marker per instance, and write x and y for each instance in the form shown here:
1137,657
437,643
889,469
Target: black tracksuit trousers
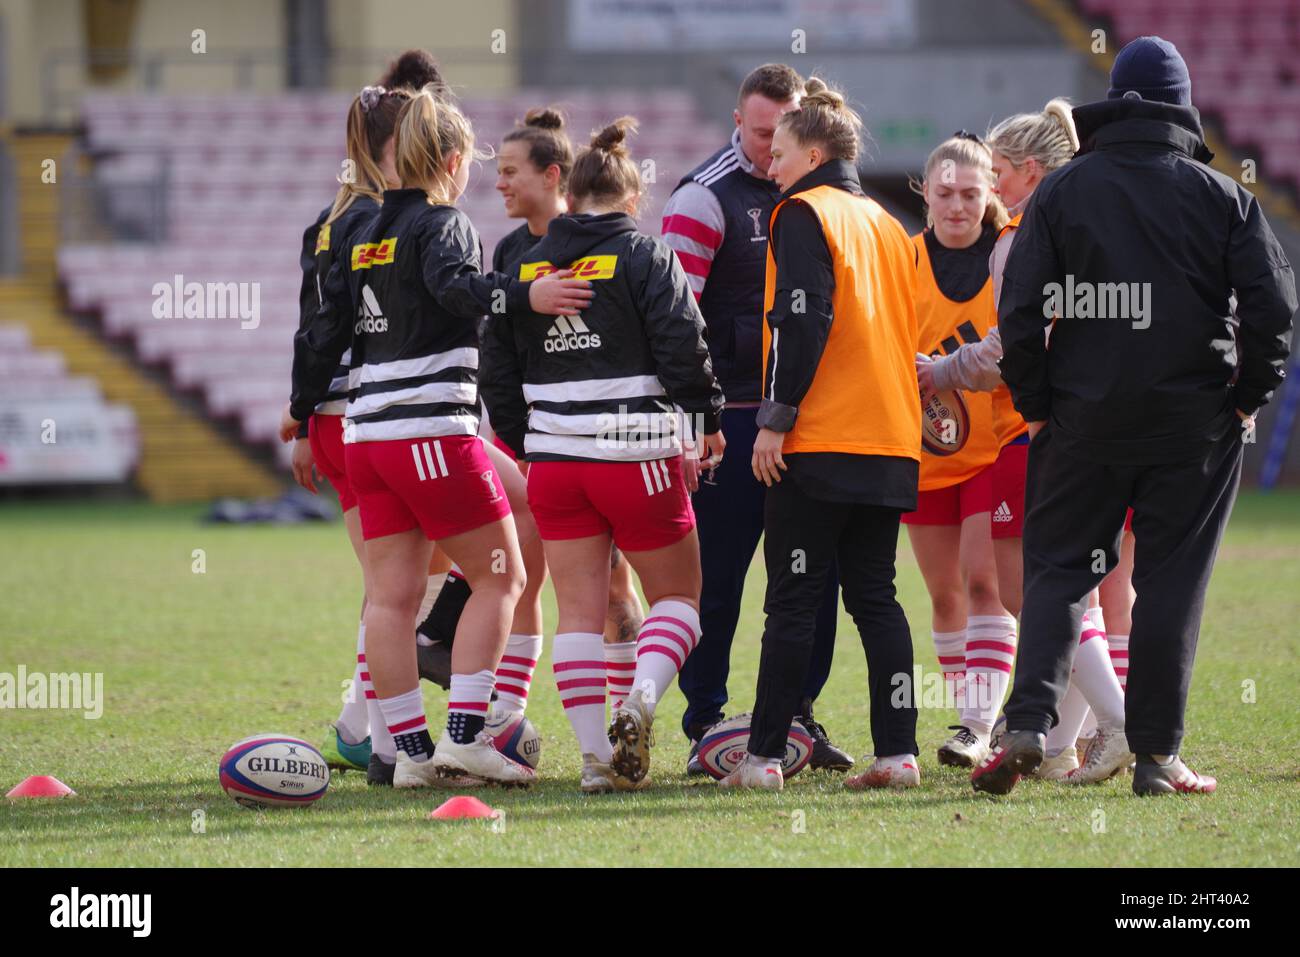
1074,517
804,538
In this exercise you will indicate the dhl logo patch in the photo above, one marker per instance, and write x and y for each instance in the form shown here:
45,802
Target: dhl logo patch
365,255
589,267
323,239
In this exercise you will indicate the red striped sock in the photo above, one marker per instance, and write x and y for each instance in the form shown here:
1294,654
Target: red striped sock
404,716
352,722
467,704
670,633
950,648
579,663
381,742
620,666
515,672
1119,658
990,653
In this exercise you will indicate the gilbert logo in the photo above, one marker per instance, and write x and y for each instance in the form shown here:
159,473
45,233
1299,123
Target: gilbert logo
102,910
1002,513
570,333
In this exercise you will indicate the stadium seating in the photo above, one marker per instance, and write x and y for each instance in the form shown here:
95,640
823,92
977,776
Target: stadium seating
239,179
1242,60
91,440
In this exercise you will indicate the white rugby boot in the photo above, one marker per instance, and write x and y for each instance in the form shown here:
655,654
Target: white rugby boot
1056,766
965,749
481,759
751,773
1108,755
631,732
897,771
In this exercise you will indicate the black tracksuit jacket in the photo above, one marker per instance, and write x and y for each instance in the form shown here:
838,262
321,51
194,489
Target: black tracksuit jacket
1139,206
603,385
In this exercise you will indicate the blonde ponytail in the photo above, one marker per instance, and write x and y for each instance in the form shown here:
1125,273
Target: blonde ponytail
430,128
1048,137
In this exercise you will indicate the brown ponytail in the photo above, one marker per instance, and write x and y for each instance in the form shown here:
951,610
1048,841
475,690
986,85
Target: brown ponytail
372,118
604,171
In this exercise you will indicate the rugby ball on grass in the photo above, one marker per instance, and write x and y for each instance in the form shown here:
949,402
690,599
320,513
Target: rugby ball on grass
725,744
274,770
515,737
945,422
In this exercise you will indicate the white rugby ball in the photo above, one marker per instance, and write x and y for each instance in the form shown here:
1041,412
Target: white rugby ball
274,770
515,737
725,744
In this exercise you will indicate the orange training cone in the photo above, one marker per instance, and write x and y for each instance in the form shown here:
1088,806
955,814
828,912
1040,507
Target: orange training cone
460,807
41,786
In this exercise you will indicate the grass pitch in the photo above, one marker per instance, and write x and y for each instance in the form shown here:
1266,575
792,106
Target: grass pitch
262,639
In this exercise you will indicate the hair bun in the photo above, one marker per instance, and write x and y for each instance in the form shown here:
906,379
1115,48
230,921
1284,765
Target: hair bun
817,93
544,118
414,69
611,138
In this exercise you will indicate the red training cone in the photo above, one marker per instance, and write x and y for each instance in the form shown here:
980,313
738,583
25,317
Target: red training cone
460,807
41,786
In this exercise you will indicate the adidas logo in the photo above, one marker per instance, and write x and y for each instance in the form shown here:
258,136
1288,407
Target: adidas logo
1002,513
570,332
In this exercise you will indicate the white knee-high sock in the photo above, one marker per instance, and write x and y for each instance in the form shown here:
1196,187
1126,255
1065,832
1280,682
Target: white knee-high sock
579,665
515,672
1072,710
381,742
1119,658
620,666
1095,675
990,653
670,633
404,716
950,649
353,722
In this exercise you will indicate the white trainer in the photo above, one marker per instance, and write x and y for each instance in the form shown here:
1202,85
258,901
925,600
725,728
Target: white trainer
965,749
1108,755
481,759
752,774
631,731
599,778
898,771
1055,767
414,774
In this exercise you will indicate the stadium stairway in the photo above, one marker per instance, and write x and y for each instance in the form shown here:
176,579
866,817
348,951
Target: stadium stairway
182,457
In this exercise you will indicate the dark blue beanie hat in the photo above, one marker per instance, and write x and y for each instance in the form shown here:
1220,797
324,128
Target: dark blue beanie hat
1154,69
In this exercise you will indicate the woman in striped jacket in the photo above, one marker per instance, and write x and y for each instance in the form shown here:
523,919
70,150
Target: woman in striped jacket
593,402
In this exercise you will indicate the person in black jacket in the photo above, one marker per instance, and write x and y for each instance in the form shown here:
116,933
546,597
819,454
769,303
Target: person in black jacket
409,296
358,739
1144,398
593,403
839,440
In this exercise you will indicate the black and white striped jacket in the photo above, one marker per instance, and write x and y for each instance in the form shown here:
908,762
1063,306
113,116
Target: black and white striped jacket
321,243
608,385
409,298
